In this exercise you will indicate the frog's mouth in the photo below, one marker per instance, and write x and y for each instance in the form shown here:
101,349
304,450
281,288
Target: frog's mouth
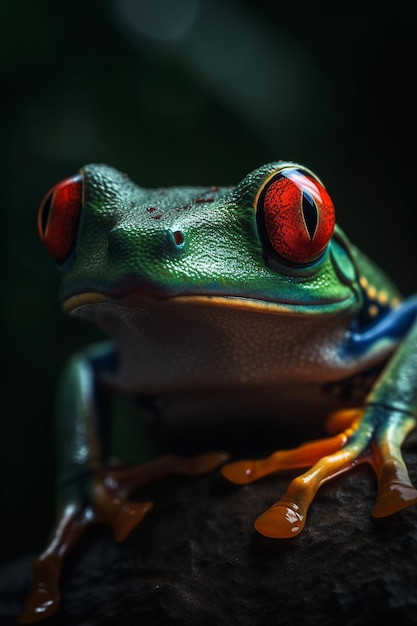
139,301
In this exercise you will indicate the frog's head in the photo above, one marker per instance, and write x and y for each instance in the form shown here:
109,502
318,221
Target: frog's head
268,243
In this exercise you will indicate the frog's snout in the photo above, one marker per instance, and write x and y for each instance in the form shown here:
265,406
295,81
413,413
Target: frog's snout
158,243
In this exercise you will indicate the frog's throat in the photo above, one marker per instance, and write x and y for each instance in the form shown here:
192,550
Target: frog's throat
71,304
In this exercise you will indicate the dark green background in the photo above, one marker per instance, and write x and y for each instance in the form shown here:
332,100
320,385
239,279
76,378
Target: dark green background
182,92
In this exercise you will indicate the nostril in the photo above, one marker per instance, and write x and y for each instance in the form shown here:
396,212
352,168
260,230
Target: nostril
175,242
179,237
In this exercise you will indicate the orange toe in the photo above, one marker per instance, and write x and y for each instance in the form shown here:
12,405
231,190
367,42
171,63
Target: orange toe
41,603
282,521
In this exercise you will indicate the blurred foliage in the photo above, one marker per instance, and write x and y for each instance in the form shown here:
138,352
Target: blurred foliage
182,92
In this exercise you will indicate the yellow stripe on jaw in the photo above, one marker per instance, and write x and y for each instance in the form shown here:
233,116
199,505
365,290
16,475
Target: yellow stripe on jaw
74,302
231,302
91,297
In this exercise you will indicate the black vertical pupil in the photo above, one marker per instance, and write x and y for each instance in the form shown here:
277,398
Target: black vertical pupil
310,213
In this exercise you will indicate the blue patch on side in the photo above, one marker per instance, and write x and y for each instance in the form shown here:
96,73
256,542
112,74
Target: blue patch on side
392,325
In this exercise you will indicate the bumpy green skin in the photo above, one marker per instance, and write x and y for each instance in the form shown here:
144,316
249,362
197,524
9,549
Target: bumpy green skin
126,242
181,280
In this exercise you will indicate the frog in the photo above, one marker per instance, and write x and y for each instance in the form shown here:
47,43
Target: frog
215,299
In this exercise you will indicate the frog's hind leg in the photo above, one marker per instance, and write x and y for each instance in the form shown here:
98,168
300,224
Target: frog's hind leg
395,490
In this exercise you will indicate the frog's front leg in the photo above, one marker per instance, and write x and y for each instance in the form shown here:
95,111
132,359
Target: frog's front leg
374,434
89,492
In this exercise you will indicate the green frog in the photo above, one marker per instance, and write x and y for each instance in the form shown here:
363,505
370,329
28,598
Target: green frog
220,301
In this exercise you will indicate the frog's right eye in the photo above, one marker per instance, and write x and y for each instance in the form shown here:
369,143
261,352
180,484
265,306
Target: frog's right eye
295,215
58,217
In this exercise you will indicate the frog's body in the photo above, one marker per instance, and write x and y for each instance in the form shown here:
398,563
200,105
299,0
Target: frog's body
224,300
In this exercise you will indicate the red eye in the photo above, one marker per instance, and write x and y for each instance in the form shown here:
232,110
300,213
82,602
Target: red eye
58,217
297,214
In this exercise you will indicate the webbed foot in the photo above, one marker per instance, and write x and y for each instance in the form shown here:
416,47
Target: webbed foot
373,435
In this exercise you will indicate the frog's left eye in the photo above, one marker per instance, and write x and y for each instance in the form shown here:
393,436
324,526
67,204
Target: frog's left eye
295,215
58,217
